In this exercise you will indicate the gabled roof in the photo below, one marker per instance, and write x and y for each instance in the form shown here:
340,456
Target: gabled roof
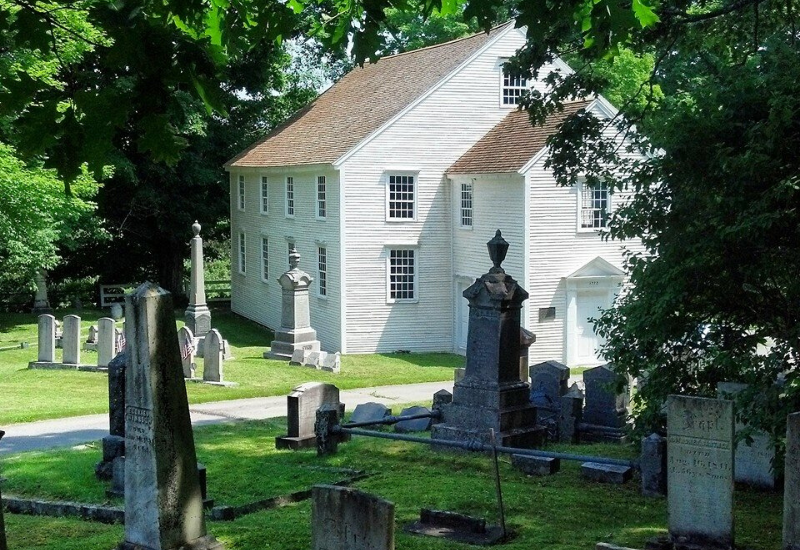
598,267
511,143
359,104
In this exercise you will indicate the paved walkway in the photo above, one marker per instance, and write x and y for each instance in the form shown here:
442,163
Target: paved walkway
67,432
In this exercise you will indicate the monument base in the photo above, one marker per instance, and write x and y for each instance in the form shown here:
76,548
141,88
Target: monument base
283,351
203,543
295,443
63,366
523,438
590,433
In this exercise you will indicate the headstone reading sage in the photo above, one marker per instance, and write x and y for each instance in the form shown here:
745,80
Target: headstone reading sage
605,406
213,357
71,340
186,342
346,519
106,341
163,499
491,395
700,471
197,315
791,485
114,442
295,332
47,338
302,405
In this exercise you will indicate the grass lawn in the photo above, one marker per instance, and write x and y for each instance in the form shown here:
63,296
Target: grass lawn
561,512
29,395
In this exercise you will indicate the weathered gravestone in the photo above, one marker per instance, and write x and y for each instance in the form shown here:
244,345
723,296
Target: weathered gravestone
700,471
370,412
332,363
753,460
295,332
91,340
47,339
491,395
416,425
213,357
114,442
791,486
549,382
605,407
302,405
653,464
106,341
3,543
163,499
571,415
41,305
71,340
347,519
186,342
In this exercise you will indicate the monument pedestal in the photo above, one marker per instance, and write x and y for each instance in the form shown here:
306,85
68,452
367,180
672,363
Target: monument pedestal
286,342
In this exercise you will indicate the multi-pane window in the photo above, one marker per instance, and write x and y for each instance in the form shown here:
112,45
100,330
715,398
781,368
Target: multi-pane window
513,88
401,197
466,205
242,254
264,258
241,192
264,195
322,264
290,196
594,206
402,275
322,204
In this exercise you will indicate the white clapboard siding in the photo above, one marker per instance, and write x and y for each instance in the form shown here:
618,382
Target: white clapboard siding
260,300
427,139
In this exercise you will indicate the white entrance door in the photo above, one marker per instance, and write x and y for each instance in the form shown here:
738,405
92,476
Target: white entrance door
586,341
462,318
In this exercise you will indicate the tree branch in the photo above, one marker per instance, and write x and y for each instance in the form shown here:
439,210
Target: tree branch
697,17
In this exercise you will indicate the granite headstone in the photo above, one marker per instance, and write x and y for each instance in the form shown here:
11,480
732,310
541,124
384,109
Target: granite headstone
47,338
302,405
106,341
114,442
213,357
346,519
71,340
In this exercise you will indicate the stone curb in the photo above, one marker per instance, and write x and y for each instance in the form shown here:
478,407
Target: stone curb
90,512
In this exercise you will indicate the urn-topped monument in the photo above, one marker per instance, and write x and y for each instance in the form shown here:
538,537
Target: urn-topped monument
197,315
295,332
491,395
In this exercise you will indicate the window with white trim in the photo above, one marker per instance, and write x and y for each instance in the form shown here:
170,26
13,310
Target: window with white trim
241,192
290,196
402,275
401,197
264,259
466,205
264,195
322,271
242,254
594,203
322,201
513,88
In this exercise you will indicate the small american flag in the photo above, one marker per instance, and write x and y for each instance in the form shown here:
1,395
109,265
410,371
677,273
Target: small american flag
187,348
121,341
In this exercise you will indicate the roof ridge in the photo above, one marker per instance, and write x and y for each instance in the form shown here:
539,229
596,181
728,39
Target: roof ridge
432,46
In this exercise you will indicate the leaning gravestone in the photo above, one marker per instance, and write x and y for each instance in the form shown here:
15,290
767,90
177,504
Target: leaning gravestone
114,442
71,340
106,341
347,519
700,471
753,460
212,357
370,412
163,499
791,486
605,406
47,339
302,405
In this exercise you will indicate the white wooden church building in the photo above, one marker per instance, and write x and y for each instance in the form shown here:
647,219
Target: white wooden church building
391,183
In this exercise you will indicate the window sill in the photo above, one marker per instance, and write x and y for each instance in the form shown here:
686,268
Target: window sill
289,216
465,227
400,220
321,297
393,302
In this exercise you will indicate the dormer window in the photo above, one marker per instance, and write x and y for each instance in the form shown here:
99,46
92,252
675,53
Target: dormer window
513,88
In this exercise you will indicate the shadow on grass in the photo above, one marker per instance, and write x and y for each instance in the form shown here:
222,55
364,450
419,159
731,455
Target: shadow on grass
438,360
237,330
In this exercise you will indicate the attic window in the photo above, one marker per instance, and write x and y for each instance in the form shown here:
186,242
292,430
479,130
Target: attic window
400,197
513,88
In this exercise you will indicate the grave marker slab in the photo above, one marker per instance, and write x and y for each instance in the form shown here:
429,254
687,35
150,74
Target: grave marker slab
418,425
549,382
369,412
302,405
332,363
347,519
106,341
91,340
791,487
605,406
700,470
213,357
536,465
47,338
186,341
163,499
114,442
606,473
71,340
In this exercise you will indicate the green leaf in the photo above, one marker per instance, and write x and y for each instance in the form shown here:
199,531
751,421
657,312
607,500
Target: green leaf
645,14
295,6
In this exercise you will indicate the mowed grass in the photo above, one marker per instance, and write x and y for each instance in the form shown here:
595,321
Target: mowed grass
29,395
561,512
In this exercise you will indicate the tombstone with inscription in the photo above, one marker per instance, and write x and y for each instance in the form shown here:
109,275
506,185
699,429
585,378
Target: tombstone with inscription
71,340
491,395
753,458
700,472
197,315
186,342
346,519
549,382
114,442
791,484
302,405
295,332
106,341
46,339
213,357
163,499
606,407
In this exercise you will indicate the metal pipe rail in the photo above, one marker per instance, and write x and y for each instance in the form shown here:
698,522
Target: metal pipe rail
387,420
477,446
